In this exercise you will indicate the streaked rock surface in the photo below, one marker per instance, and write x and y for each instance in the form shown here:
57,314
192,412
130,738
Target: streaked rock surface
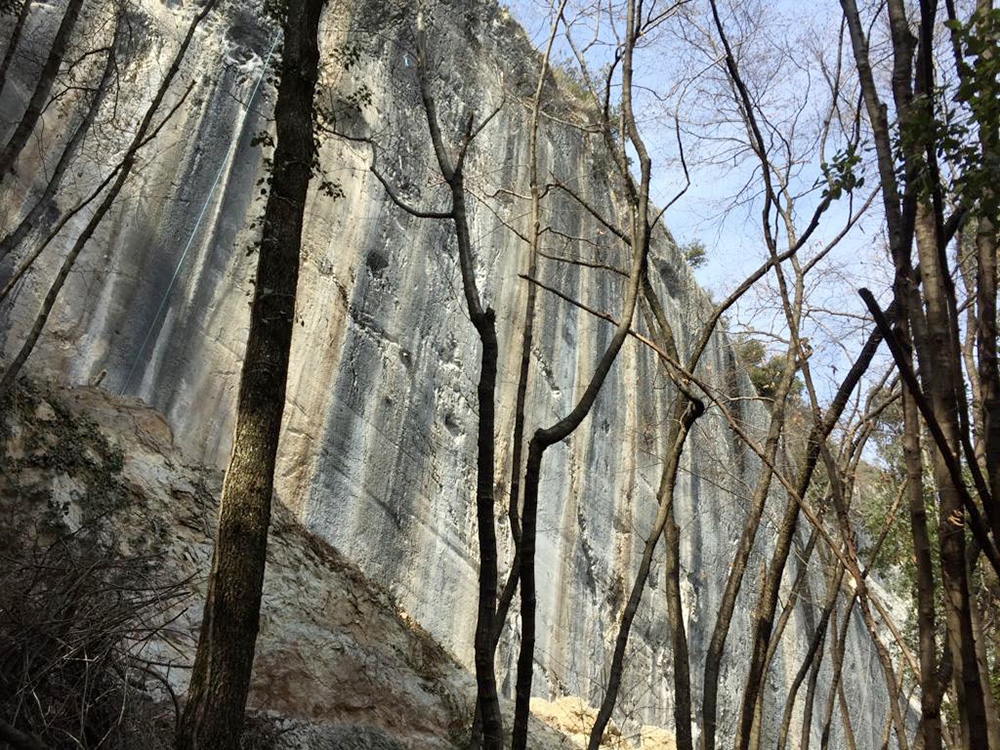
379,440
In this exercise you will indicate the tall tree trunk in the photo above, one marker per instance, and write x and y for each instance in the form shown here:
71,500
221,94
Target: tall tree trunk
484,320
937,352
734,582
885,660
982,656
213,716
39,97
930,702
678,635
836,694
488,701
684,415
814,655
527,337
918,212
544,438
768,599
986,299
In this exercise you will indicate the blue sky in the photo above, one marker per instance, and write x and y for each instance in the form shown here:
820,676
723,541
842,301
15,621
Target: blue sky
708,211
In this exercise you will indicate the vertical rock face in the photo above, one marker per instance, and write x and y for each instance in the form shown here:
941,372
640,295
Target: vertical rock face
379,441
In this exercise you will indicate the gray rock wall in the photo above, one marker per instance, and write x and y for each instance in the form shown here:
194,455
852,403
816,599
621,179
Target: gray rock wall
379,441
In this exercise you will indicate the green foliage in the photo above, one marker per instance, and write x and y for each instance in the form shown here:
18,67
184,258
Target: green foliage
839,174
978,93
347,54
765,372
952,119
694,253
895,562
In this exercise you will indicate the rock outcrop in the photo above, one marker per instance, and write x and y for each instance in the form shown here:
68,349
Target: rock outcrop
378,449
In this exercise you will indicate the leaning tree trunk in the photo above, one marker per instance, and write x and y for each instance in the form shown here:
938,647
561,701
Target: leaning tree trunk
144,133
40,95
13,40
13,238
220,681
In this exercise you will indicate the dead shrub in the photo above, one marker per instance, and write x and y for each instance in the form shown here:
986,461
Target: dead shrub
73,627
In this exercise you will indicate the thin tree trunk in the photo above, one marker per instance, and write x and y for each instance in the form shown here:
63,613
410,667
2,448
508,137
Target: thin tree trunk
684,415
220,680
930,701
836,683
798,591
813,656
542,440
124,170
986,300
527,339
992,716
28,121
768,600
675,617
484,321
839,642
10,242
807,712
845,717
885,661
734,582
485,643
13,41
545,438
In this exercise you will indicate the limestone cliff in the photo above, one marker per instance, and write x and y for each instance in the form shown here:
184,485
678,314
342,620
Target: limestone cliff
379,436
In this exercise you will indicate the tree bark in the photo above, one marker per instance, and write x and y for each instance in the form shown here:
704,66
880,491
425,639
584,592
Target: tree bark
484,321
986,301
937,353
220,681
527,338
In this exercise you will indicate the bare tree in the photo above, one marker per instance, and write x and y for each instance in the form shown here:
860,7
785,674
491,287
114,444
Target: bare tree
927,323
91,107
484,320
14,39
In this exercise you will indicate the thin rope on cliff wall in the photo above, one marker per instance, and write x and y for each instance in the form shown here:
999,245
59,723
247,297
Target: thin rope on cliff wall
197,225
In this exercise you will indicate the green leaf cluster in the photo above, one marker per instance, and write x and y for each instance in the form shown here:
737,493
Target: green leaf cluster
840,173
